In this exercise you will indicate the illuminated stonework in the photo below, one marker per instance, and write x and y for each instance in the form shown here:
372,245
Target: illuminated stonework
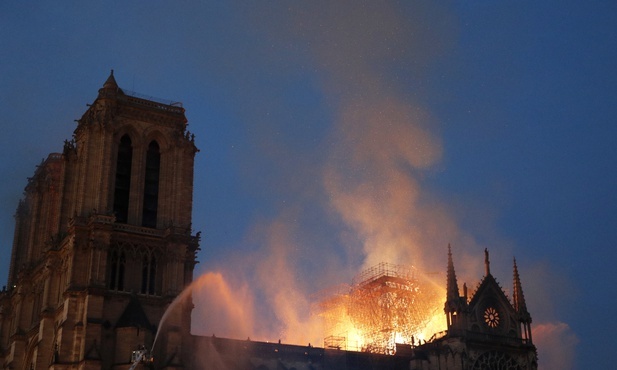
103,233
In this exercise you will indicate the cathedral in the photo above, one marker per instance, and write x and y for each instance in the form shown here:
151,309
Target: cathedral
103,244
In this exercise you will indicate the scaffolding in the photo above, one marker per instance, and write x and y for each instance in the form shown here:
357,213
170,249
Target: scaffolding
386,304
335,342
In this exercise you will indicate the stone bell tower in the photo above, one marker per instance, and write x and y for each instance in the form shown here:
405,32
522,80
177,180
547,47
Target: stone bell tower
103,242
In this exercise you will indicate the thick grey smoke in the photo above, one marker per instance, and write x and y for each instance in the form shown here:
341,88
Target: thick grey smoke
364,175
367,179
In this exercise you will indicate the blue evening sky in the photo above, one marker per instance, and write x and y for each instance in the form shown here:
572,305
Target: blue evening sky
326,128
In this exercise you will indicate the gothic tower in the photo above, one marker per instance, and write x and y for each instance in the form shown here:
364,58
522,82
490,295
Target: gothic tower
103,242
486,330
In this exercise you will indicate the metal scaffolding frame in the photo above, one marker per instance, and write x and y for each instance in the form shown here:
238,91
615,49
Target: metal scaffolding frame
385,304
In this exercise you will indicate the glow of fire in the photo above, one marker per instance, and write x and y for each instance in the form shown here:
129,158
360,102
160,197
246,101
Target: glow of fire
390,305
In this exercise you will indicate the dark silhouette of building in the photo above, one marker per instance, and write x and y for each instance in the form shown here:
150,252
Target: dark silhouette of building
103,245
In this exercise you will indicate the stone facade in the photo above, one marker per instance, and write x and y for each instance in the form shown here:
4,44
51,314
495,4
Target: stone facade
484,331
103,242
103,245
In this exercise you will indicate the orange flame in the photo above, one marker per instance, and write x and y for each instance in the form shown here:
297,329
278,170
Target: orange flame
389,305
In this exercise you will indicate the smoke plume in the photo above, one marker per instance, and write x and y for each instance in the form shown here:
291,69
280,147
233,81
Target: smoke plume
365,178
556,343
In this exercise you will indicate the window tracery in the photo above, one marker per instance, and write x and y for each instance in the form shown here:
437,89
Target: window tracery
117,267
134,267
494,360
491,317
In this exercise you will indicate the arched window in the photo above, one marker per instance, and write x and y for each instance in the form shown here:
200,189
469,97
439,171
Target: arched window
151,185
123,179
116,270
148,274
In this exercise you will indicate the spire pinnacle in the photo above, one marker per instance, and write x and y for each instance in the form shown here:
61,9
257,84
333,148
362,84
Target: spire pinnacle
519,299
487,264
451,284
110,83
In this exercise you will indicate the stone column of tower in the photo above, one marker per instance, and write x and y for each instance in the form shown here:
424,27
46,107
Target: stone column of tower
103,242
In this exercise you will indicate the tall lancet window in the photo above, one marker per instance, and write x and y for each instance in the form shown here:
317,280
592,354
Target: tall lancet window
117,263
151,185
123,179
148,274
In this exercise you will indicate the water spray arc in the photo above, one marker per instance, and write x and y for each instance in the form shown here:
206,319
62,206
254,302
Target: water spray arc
142,354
